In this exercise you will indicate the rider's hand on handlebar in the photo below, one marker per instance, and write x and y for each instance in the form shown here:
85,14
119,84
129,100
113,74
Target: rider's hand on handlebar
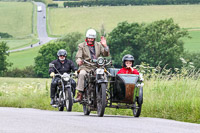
75,73
52,74
80,62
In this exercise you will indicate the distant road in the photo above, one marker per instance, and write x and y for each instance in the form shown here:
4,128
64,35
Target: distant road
24,120
41,29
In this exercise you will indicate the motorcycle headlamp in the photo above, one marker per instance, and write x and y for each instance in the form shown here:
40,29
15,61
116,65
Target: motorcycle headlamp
66,77
100,61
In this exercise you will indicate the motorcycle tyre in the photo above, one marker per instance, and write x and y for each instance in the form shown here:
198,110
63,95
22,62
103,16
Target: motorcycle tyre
102,105
68,101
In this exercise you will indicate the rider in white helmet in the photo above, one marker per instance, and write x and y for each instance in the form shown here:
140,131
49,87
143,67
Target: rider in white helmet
90,49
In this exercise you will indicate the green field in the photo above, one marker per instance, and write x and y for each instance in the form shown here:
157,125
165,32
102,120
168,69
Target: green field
79,19
16,18
193,44
176,99
24,58
20,22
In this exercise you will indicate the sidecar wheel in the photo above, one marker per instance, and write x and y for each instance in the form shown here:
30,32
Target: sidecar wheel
138,104
68,100
101,100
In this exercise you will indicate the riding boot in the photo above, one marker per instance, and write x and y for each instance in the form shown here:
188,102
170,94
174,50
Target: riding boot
52,101
79,97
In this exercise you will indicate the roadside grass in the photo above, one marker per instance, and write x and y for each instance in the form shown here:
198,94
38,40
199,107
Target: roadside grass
23,58
176,99
80,18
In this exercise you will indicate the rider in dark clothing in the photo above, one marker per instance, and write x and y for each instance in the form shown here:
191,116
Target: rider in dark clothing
63,65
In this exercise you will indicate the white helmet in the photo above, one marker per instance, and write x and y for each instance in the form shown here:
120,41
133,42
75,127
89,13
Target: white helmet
91,33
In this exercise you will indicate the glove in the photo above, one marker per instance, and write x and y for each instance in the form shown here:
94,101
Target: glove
76,73
52,74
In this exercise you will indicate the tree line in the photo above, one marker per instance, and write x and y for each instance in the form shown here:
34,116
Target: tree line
128,2
158,43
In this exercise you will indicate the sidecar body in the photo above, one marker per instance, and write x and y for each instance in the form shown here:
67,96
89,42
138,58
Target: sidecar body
124,91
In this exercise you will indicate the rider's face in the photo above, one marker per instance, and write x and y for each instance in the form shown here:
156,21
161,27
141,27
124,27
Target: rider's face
61,57
128,63
90,41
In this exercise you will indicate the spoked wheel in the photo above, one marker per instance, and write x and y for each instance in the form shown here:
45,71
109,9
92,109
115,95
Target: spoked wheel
86,109
101,100
138,103
69,102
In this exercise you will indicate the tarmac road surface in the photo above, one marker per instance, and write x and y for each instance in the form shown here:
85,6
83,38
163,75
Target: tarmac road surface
24,120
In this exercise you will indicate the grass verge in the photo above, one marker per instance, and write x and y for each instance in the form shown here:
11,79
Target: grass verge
176,99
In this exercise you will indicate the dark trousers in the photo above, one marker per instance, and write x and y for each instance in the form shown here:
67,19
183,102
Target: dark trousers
54,86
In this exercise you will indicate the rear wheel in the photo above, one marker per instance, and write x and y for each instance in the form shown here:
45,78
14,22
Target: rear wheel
138,103
68,100
101,100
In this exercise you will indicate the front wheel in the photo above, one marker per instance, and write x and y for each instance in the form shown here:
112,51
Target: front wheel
138,103
101,99
68,99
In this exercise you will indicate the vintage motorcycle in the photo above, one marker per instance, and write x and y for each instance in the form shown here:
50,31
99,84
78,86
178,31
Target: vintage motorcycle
94,96
64,92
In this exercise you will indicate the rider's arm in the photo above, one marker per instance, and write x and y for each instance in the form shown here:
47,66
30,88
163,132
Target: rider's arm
52,69
104,50
135,72
73,67
79,54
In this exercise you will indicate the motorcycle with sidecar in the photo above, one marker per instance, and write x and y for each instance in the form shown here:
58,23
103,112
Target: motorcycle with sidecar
104,88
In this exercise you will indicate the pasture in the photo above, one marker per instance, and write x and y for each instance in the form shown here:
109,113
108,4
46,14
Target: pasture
16,18
176,99
19,20
80,18
24,58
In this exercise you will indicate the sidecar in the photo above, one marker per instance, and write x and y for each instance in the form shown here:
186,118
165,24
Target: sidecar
124,91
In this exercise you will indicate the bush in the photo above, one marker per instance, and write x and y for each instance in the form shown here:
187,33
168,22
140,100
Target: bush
53,5
27,72
5,35
128,2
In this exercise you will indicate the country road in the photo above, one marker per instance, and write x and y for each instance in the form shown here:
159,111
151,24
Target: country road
24,120
41,29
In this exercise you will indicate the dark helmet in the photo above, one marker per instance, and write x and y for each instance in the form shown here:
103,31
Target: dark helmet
62,52
129,58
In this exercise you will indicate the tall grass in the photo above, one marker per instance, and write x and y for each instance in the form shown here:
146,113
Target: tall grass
166,95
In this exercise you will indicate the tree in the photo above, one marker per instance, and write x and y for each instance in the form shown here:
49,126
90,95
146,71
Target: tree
123,40
3,58
155,43
163,44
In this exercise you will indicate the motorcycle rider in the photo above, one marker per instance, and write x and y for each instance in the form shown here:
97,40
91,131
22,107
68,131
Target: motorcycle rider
128,61
89,49
63,65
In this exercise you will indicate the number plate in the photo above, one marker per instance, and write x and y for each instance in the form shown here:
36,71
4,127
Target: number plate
100,71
